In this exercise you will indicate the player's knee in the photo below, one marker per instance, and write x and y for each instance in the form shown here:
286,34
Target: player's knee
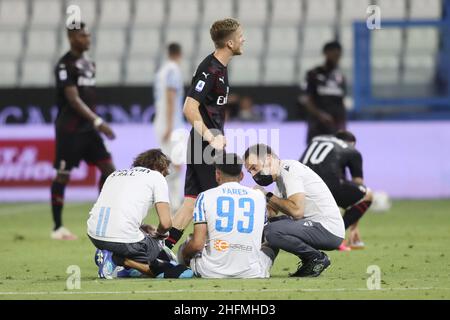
368,196
272,233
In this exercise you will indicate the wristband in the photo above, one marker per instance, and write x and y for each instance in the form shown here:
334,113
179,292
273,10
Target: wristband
98,122
268,196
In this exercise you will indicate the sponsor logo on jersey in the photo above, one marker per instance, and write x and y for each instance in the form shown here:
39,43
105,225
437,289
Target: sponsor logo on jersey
205,74
223,245
221,100
200,85
86,82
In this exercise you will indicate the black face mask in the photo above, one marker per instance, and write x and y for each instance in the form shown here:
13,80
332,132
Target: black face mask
263,179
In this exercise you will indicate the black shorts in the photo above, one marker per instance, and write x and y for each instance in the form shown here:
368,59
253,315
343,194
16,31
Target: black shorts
347,193
200,172
71,148
144,251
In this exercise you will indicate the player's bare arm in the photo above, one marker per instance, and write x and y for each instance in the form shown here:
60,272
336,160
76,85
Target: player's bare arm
72,95
192,114
293,206
165,219
171,95
196,243
271,211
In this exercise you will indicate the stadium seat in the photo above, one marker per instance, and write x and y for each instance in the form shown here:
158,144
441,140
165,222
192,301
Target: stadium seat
149,13
346,39
286,12
64,45
140,71
13,14
206,45
346,65
315,37
252,12
108,71
8,72
37,73
352,10
183,13
245,71
114,13
183,36
254,39
279,71
419,69
392,9
422,39
41,43
46,13
387,40
187,71
88,10
215,10
109,43
307,63
283,41
425,9
14,41
319,11
385,69
145,42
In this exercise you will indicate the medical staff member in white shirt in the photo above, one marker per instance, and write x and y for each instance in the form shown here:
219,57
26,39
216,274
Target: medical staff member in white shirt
312,220
228,228
115,221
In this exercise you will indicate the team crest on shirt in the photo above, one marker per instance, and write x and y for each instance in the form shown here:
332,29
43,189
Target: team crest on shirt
200,85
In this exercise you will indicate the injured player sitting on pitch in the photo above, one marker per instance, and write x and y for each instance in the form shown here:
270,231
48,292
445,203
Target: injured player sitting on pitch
125,247
228,228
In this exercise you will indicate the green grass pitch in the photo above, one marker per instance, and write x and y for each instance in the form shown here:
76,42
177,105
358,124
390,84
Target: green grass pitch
410,244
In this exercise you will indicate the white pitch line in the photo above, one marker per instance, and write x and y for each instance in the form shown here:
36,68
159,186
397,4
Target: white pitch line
76,292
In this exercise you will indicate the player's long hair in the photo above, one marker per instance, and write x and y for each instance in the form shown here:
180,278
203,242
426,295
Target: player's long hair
153,159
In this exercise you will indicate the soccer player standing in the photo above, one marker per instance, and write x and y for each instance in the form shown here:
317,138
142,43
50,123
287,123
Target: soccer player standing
169,94
77,125
330,156
325,92
204,108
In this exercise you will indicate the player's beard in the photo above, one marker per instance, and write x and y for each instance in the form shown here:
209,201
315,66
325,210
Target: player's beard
237,52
